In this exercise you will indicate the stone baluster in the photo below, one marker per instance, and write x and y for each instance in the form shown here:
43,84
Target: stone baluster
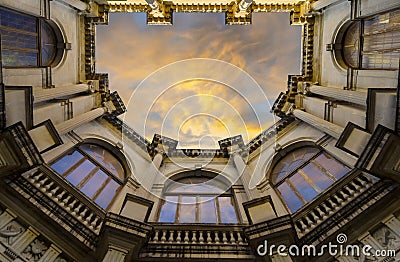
217,240
186,239
178,238
201,237
224,238
194,236
155,238
209,240
232,240
164,236
171,236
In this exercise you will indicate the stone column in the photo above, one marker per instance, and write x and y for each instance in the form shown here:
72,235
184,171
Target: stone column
24,240
245,178
6,217
322,125
79,120
152,175
44,94
115,254
356,97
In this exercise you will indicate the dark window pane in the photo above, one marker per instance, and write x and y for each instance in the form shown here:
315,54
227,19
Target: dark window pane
94,183
18,58
10,39
334,167
207,211
168,209
48,44
107,194
303,187
18,21
291,199
79,173
104,158
227,210
317,176
67,161
292,161
187,212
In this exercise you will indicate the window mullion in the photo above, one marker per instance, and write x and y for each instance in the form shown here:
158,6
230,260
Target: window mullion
323,170
88,177
309,181
217,210
105,183
73,167
294,189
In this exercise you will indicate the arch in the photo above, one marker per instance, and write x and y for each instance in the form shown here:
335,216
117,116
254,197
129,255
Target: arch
29,41
94,167
302,171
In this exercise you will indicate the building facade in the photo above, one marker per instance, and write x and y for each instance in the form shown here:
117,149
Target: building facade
78,184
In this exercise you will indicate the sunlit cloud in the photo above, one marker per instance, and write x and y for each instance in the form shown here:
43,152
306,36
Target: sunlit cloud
198,112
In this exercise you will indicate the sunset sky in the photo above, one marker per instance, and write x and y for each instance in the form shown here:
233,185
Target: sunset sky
199,101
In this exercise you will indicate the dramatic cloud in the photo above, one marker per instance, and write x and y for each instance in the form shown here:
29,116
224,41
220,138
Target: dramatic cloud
199,112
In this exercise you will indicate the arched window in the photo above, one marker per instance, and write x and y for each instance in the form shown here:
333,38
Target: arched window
94,170
198,200
28,41
371,43
304,173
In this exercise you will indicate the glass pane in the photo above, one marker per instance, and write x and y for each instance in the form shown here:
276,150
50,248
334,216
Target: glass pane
168,209
351,45
303,187
317,176
94,183
11,39
291,199
67,161
187,212
333,166
17,58
207,210
48,44
79,173
292,161
107,194
227,210
16,20
105,158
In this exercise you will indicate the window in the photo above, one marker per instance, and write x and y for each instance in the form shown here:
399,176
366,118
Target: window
93,170
27,41
304,173
198,200
372,43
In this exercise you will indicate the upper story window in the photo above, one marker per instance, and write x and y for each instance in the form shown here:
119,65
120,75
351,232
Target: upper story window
371,43
198,200
28,41
94,170
304,173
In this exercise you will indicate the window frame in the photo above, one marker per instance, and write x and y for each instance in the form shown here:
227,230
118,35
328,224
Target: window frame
91,173
309,180
59,51
213,197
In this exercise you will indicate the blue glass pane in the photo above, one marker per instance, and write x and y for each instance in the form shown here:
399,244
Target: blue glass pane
333,166
291,199
17,58
66,162
17,40
107,194
79,173
317,176
291,161
94,183
227,210
208,212
187,212
168,209
18,21
48,44
303,187
104,158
